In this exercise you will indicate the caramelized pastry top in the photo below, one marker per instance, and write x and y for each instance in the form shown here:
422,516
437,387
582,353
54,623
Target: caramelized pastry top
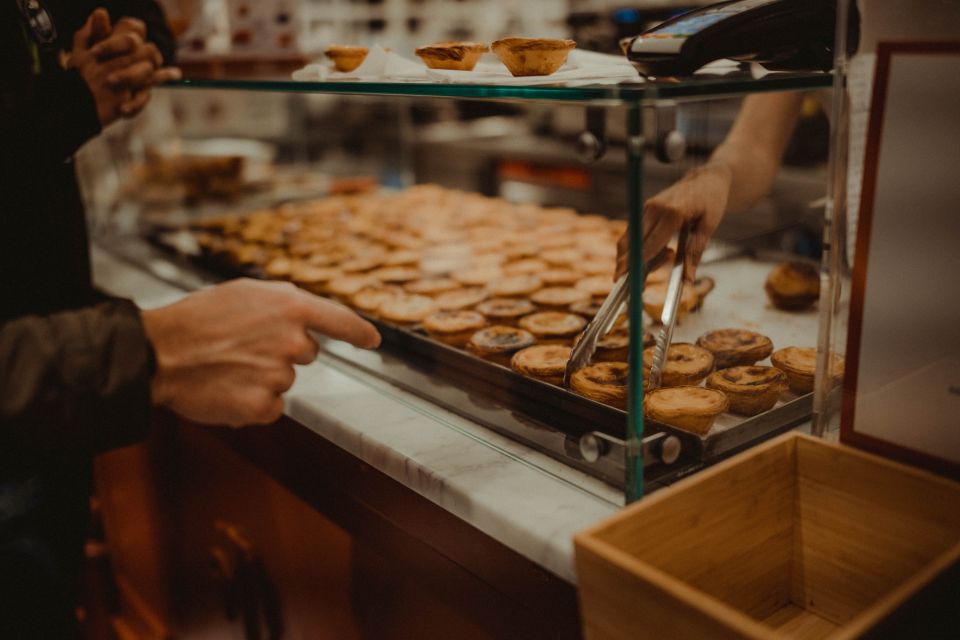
586,309
461,298
477,276
736,346
369,299
350,284
396,274
453,321
746,378
596,286
541,360
408,308
560,296
682,359
505,308
552,324
514,286
685,401
431,286
803,361
499,339
451,50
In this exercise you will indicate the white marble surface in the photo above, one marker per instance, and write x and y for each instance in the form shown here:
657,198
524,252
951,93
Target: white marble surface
523,499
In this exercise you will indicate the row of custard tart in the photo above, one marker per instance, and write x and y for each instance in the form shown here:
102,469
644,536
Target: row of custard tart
522,56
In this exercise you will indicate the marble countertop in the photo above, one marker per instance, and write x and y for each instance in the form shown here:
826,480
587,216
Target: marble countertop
521,498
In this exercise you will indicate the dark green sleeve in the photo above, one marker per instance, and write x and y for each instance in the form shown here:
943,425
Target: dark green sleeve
75,382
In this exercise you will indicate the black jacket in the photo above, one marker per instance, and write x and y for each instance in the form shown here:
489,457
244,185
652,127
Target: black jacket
74,366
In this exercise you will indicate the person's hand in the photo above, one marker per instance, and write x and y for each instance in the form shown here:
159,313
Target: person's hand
225,355
117,64
699,198
142,60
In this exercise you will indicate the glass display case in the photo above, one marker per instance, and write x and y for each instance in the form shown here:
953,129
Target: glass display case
443,210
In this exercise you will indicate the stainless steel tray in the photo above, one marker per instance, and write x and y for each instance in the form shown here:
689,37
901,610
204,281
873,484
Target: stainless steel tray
588,435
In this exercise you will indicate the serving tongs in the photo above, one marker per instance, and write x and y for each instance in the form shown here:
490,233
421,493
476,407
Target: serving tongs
616,303
668,317
600,326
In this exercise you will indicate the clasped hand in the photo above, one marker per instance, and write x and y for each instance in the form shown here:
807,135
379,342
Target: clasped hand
118,65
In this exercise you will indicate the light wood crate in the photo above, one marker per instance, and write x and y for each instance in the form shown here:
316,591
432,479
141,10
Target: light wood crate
795,538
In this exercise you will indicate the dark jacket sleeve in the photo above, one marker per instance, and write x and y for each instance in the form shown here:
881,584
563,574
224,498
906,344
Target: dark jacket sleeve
59,113
73,382
53,121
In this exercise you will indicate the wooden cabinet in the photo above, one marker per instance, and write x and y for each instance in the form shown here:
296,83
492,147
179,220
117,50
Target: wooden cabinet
275,533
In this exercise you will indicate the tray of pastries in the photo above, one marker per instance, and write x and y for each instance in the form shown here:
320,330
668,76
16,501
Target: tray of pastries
498,293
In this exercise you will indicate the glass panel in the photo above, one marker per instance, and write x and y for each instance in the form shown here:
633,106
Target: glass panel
756,170
698,86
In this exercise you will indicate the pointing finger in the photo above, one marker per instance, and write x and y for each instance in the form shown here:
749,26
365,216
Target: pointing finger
338,322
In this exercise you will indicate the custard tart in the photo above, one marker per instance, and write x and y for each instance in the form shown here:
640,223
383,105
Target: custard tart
460,56
431,286
692,409
313,279
477,276
499,343
613,347
586,309
402,258
800,365
279,268
597,286
407,309
597,267
525,266
686,364
532,56
515,286
561,257
553,327
655,296
369,299
559,298
344,287
544,362
458,299
732,347
750,389
604,382
397,274
360,264
453,327
506,311
560,277
346,58
793,286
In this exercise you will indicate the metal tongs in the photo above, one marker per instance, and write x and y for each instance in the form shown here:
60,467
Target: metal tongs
600,326
616,303
668,317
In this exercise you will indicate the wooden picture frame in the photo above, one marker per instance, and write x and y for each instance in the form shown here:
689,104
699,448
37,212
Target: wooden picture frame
849,431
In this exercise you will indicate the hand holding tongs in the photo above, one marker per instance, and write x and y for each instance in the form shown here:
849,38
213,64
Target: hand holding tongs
614,305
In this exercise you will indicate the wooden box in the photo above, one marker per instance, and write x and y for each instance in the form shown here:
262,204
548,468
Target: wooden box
796,538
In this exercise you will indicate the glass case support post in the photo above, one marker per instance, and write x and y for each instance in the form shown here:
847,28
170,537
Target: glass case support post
825,401
634,449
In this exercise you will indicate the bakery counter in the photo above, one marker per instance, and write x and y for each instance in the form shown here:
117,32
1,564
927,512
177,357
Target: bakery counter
494,488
